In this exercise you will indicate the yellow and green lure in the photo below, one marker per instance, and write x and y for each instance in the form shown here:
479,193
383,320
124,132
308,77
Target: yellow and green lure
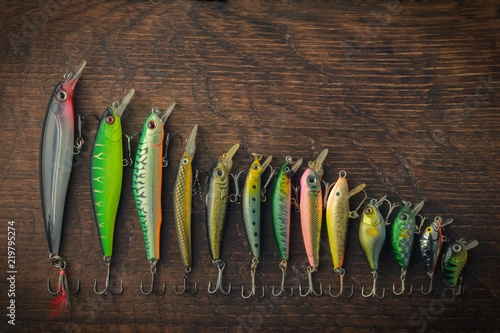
106,171
250,209
337,222
216,205
454,260
147,186
182,205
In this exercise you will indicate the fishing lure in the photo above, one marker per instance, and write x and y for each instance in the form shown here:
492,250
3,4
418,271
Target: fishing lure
182,206
454,260
337,222
402,234
147,186
56,158
216,204
311,214
106,171
250,209
431,241
281,212
372,237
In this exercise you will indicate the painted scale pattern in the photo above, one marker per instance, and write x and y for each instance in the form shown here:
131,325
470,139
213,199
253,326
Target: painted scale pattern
147,183
182,207
402,235
281,209
311,214
250,207
106,171
216,205
372,234
337,220
431,241
453,263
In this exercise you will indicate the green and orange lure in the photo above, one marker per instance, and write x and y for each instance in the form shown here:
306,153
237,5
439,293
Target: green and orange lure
454,260
106,171
147,181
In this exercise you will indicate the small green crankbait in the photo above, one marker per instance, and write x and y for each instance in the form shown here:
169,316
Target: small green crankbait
216,206
106,171
182,206
402,234
454,260
147,181
250,210
281,212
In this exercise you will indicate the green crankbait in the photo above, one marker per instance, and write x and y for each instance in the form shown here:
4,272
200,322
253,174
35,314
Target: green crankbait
402,234
106,171
250,209
281,212
147,181
454,260
216,206
182,197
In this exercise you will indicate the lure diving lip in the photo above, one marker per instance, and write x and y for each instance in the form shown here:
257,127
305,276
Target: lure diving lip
311,214
182,197
147,186
56,159
216,205
106,173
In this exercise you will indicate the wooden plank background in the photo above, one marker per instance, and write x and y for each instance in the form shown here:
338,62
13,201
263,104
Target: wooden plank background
402,93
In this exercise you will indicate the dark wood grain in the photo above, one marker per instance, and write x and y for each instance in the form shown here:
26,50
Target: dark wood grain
403,95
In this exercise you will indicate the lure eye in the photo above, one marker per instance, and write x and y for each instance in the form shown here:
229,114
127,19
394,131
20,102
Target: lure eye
311,180
152,124
337,194
404,217
368,210
218,173
110,120
286,169
456,248
61,95
428,230
184,161
255,167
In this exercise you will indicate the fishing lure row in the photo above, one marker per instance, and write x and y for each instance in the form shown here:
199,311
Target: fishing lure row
106,173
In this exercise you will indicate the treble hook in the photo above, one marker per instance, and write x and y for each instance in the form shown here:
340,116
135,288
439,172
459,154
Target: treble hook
459,292
63,280
107,261
220,266
431,275
255,262
341,272
128,160
235,197
188,269
374,288
310,270
283,267
403,278
153,272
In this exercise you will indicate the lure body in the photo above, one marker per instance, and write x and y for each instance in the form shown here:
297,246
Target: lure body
337,218
431,241
56,157
106,173
403,234
311,208
251,204
182,196
372,233
454,260
281,209
147,183
216,200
